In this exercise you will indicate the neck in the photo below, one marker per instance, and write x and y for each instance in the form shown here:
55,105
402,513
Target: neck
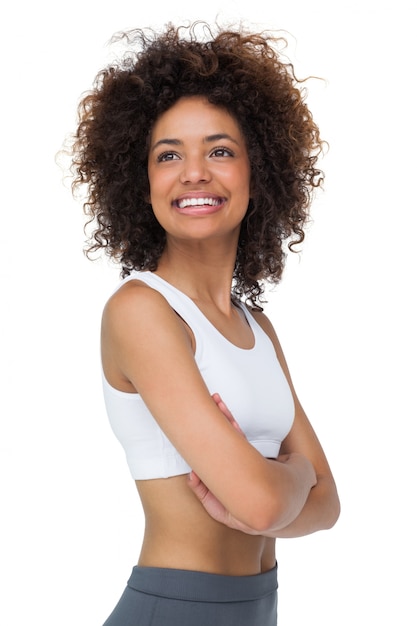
203,273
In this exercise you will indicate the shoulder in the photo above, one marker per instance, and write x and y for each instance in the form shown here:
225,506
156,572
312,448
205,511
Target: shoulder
136,310
134,298
265,323
139,326
267,326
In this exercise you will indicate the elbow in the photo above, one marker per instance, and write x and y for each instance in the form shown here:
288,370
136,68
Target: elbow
328,509
326,502
268,512
333,513
264,513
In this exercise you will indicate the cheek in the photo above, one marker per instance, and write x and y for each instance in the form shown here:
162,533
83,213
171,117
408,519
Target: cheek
160,182
155,190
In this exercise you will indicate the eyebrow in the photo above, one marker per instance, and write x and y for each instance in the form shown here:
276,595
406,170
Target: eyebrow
209,139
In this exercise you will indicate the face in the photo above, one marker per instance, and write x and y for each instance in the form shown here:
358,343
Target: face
199,172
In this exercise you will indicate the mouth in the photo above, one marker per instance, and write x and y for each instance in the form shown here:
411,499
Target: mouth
197,205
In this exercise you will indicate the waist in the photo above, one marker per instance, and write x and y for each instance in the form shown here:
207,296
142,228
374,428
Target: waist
202,586
228,553
180,534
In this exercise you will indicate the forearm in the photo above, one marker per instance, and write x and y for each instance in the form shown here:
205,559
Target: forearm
320,512
286,489
290,481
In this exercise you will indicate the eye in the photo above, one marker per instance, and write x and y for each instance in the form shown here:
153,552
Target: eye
222,152
167,156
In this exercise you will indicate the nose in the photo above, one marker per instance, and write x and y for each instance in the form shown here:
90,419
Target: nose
194,170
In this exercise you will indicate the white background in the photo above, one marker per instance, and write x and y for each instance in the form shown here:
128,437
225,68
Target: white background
70,520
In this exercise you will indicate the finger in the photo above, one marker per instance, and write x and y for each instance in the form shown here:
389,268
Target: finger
194,479
226,412
222,406
197,486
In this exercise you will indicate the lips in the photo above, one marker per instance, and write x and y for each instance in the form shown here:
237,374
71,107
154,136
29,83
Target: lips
198,204
186,202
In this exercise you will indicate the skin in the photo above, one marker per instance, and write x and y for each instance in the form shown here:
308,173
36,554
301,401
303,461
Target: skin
224,516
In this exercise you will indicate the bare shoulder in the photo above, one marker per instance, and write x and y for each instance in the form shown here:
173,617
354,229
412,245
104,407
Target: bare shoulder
138,325
133,296
263,321
267,326
137,307
137,314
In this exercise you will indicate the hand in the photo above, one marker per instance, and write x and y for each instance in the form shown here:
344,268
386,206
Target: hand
213,506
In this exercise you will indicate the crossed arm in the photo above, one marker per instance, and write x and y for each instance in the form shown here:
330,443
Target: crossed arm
320,510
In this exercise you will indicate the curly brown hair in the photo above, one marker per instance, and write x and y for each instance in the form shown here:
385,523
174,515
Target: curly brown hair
247,75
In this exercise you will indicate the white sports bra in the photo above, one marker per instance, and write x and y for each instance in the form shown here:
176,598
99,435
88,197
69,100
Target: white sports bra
250,381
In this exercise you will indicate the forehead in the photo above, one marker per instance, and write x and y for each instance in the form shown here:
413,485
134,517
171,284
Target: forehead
194,115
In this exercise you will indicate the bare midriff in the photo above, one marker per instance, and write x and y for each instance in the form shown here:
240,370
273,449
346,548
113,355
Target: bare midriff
180,534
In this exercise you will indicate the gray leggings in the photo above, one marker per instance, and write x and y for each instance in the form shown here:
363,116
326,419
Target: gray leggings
170,597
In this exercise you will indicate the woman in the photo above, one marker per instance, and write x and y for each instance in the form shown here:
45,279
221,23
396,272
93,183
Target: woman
200,159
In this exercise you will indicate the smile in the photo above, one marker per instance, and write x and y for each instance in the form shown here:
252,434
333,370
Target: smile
189,202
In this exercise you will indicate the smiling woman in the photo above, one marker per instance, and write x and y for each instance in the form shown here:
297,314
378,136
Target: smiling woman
199,158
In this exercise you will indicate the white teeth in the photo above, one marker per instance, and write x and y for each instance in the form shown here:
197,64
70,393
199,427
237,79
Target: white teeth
197,202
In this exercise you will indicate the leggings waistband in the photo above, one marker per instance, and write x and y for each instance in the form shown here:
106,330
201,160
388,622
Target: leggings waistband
202,586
